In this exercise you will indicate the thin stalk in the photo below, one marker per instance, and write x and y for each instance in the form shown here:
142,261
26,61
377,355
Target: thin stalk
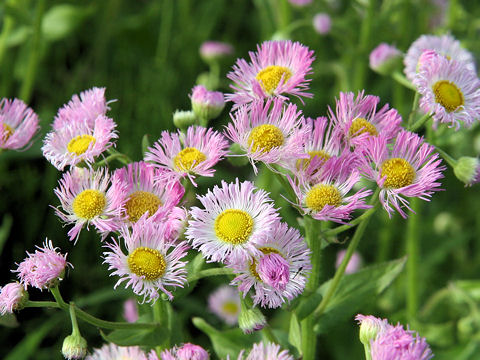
124,159
450,160
401,79
209,272
8,23
342,228
39,304
365,35
269,335
73,318
159,317
420,122
341,269
34,56
414,108
412,250
164,33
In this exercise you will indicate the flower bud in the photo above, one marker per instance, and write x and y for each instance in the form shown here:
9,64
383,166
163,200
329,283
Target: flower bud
384,58
467,170
192,352
206,104
74,347
250,319
183,119
322,23
12,297
215,50
370,327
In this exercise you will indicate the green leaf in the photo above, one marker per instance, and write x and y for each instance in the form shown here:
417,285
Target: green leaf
228,342
8,320
5,230
294,333
135,337
357,289
61,20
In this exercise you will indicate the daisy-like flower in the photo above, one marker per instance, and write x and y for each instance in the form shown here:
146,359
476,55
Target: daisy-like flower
233,218
225,303
445,45
278,68
152,263
269,132
115,352
18,124
449,89
190,155
187,351
83,109
42,269
325,196
149,190
410,169
278,271
89,199
268,351
77,142
358,118
12,297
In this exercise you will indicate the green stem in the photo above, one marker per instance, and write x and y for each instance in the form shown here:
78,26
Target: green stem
30,74
160,317
96,321
209,272
350,250
414,108
73,317
412,250
164,33
269,335
365,35
401,79
420,122
124,159
450,160
38,304
309,337
342,228
8,23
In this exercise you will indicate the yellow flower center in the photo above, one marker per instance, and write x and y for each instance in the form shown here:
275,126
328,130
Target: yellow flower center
188,158
322,155
398,172
253,265
448,95
147,262
230,308
265,137
270,77
139,203
321,195
361,126
79,144
7,131
233,226
89,203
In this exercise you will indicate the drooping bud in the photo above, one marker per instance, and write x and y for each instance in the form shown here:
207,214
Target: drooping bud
206,104
74,347
384,58
467,170
250,319
370,327
183,119
215,50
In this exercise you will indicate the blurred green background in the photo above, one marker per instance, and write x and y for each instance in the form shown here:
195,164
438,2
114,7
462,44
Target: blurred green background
146,54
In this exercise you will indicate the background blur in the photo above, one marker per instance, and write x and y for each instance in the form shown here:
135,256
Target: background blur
146,54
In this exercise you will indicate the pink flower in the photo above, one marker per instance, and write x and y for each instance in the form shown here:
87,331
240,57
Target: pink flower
130,310
225,303
187,351
115,352
384,57
18,124
12,297
206,104
42,269
212,50
274,271
268,351
322,23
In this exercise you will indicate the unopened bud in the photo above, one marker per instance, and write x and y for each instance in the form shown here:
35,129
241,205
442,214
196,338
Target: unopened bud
251,319
384,58
74,347
206,104
467,170
183,119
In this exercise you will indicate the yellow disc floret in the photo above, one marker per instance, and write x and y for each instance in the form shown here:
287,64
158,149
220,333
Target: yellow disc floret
448,95
7,131
230,308
265,137
79,144
139,203
320,154
147,262
361,126
233,226
270,77
188,158
398,172
321,195
89,203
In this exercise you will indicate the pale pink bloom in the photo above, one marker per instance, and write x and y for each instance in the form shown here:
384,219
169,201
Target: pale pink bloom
357,118
18,124
188,155
322,23
234,217
327,195
354,263
370,327
130,310
409,169
277,68
94,198
11,297
152,262
152,355
268,351
384,57
445,45
115,352
42,269
82,109
225,303
207,104
269,132
273,287
449,89
187,351
79,142
212,50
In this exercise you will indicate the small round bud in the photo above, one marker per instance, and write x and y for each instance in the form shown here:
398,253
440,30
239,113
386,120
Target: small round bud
322,23
12,297
192,352
238,157
183,119
206,104
215,50
370,327
384,58
74,347
467,170
251,319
